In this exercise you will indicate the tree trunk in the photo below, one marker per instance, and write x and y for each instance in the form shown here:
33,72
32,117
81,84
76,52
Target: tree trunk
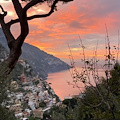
5,68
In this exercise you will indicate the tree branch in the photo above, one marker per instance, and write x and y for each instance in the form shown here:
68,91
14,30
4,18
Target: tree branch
6,29
32,3
36,16
22,16
23,19
17,7
4,13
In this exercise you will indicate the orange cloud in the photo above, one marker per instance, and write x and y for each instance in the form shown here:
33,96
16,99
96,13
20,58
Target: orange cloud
86,18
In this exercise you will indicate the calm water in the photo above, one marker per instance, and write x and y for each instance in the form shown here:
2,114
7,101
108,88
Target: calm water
60,85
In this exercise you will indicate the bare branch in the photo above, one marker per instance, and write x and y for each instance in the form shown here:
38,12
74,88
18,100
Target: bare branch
6,28
4,12
22,16
8,35
17,7
32,3
36,16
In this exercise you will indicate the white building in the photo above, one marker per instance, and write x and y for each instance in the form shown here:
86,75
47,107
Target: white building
19,96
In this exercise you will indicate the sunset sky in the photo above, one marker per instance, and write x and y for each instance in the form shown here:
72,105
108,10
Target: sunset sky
86,18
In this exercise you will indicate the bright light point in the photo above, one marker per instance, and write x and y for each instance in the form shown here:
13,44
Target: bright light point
3,1
41,48
40,10
75,49
10,13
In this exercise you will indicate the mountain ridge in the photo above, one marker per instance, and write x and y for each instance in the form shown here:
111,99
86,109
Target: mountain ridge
41,62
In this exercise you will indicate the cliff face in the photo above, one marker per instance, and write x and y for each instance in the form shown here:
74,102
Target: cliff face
20,66
41,62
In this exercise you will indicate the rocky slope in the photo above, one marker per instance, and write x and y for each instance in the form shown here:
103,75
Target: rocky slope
21,67
41,62
27,93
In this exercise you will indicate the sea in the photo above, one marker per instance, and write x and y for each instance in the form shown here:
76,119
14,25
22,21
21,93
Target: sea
63,85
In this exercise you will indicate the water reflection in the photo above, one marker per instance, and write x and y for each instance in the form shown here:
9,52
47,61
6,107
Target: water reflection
60,85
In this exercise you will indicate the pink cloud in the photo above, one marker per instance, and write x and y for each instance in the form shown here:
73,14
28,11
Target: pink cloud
84,17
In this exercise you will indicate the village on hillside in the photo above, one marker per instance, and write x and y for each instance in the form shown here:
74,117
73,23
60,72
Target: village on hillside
30,96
